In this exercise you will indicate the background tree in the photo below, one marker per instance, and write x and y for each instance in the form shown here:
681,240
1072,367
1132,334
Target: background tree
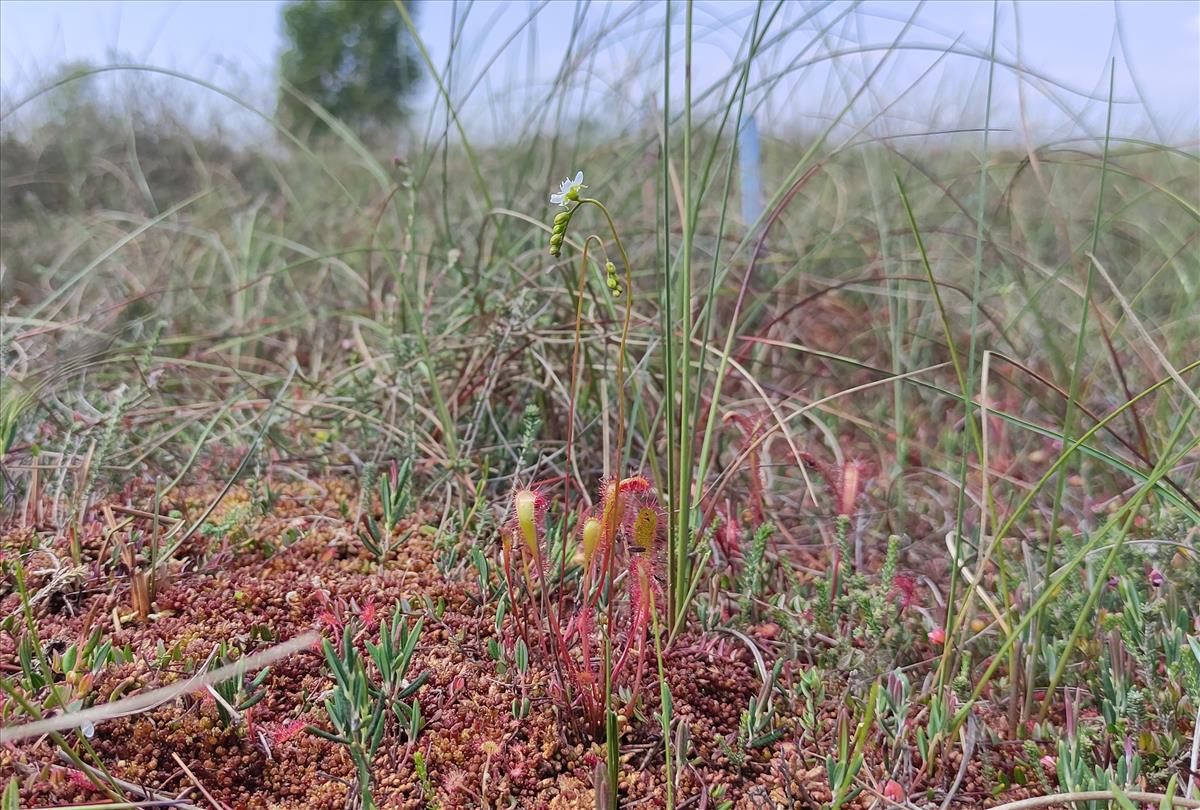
353,57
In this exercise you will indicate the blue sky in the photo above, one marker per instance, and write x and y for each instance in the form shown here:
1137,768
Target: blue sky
235,44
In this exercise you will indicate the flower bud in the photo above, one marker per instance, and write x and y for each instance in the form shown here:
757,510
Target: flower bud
558,231
613,282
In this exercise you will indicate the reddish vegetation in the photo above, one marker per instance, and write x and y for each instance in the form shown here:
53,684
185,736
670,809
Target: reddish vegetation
474,748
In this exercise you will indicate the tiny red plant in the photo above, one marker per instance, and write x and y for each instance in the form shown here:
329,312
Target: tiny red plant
286,731
560,619
752,433
904,588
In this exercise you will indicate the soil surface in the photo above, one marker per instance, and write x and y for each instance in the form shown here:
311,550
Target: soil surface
269,577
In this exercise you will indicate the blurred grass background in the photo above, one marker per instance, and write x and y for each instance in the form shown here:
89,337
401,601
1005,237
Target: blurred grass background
162,276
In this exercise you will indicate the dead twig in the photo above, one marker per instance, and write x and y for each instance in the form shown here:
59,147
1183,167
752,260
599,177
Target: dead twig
156,697
1138,796
218,805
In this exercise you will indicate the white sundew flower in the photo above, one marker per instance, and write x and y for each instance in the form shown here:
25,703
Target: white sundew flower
569,190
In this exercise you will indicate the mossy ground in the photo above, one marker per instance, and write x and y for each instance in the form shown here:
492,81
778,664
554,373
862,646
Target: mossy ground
223,588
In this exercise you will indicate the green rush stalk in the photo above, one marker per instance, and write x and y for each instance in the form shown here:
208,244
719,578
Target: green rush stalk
681,501
1068,425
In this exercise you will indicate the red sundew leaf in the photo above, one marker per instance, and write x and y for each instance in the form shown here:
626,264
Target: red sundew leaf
752,431
527,524
904,586
286,731
367,614
845,483
80,780
849,485
893,791
637,483
729,534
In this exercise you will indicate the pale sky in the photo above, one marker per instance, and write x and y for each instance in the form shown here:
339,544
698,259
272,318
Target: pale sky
236,45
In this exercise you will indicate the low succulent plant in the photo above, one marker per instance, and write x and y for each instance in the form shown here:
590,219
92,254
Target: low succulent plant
369,704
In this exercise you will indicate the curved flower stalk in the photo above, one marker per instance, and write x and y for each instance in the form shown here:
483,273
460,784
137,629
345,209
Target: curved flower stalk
576,637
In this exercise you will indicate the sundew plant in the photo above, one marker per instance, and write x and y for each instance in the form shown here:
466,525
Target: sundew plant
735,405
